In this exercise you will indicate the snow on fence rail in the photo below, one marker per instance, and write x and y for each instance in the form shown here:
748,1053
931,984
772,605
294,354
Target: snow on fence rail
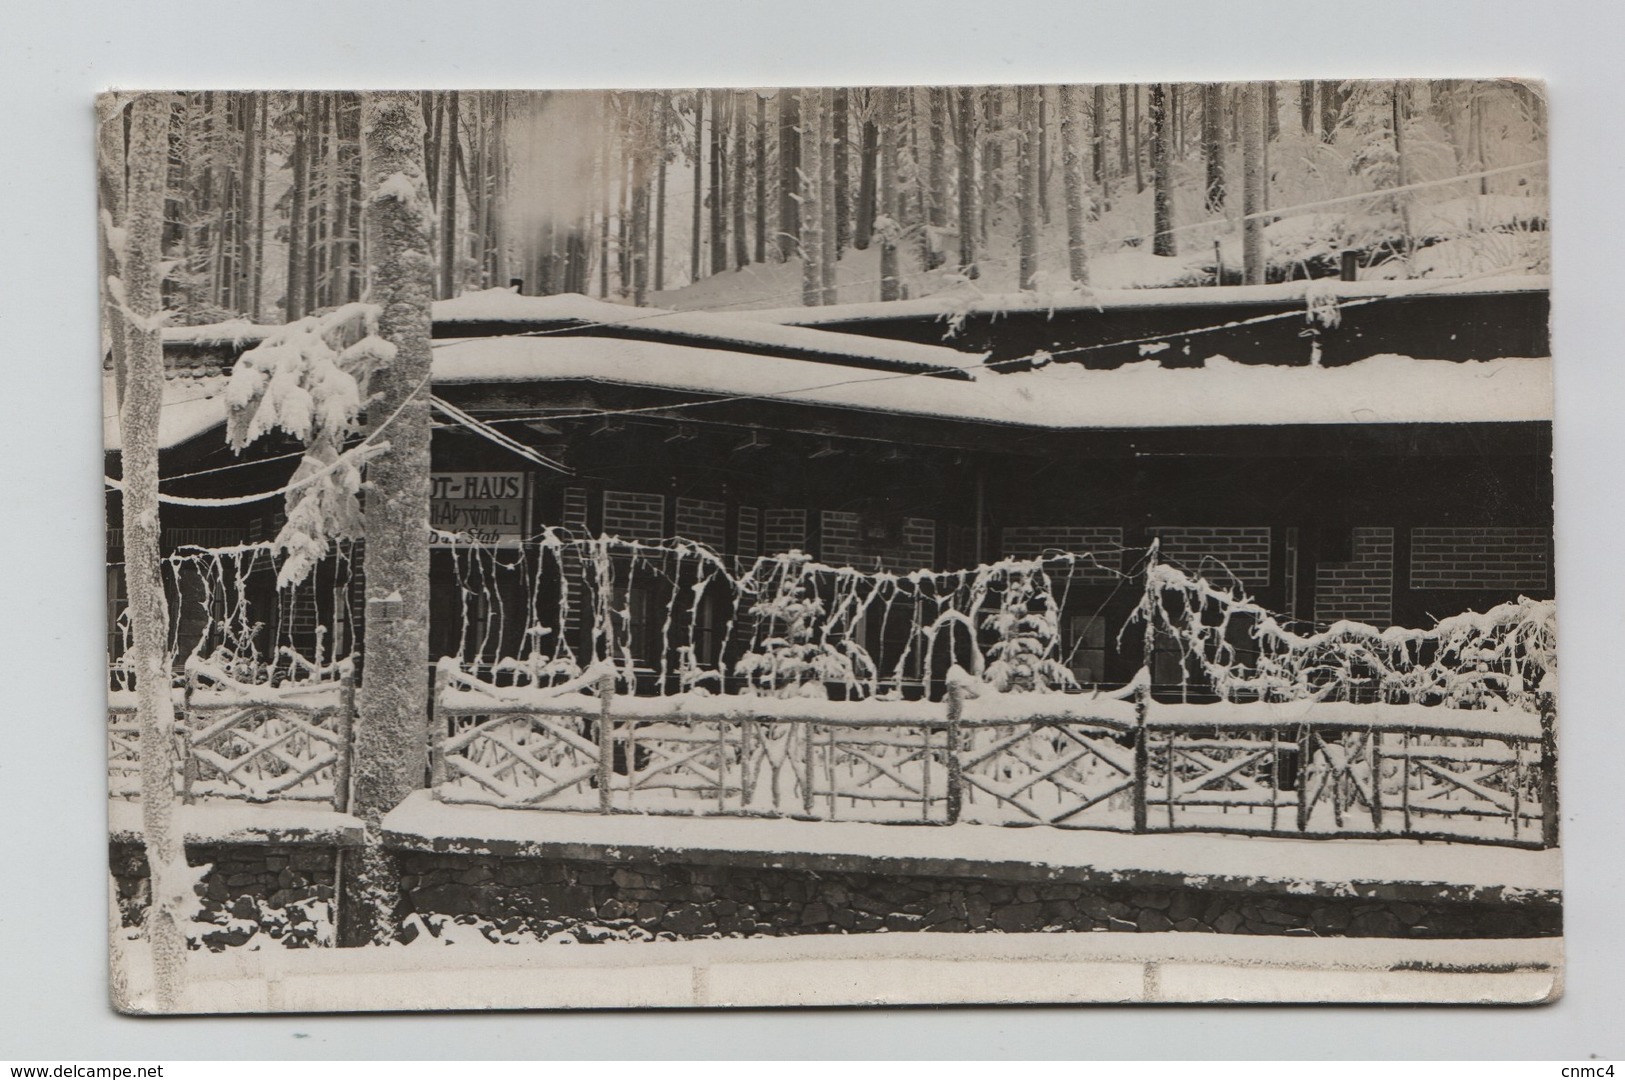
1125,763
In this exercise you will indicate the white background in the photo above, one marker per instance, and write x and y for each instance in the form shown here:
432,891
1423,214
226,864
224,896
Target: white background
54,54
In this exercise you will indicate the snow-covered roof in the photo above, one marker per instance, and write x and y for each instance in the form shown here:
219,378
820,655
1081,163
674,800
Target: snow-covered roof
1382,389
733,328
234,331
191,407
967,300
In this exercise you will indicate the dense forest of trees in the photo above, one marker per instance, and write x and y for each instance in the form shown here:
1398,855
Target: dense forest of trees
859,193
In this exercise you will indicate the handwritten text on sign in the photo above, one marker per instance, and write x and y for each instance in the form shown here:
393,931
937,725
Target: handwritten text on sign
485,507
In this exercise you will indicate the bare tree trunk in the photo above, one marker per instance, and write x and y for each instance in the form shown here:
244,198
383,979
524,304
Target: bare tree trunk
1122,130
1272,111
994,136
295,304
761,178
719,150
789,172
917,168
939,157
1331,109
1213,144
1306,105
247,223
812,211
1042,124
256,299
1162,183
1027,185
740,192
448,202
1252,195
969,212
391,737
662,103
499,192
887,226
139,412
697,225
826,187
638,238
868,159
1097,134
1077,256
1402,202
1139,147
840,169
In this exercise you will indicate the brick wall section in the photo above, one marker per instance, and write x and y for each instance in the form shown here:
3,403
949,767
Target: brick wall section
1031,541
842,541
634,516
574,516
838,538
748,543
573,519
703,521
786,530
1243,550
919,543
1361,589
1481,558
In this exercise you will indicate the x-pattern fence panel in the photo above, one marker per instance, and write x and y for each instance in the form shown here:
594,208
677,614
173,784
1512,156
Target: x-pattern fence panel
1486,783
228,746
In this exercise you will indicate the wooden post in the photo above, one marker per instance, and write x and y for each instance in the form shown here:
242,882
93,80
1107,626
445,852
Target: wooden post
188,759
1142,751
722,766
1548,770
956,711
1376,779
1306,745
807,767
345,725
437,734
606,741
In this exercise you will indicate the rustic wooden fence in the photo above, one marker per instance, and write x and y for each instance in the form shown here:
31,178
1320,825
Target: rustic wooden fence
259,747
1127,763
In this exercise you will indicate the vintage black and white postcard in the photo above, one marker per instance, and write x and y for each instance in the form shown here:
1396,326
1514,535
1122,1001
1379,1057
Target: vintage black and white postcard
836,545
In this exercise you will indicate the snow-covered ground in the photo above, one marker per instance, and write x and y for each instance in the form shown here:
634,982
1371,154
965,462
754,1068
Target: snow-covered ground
1302,866
869,969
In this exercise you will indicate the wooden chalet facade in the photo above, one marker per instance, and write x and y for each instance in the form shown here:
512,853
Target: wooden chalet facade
1379,522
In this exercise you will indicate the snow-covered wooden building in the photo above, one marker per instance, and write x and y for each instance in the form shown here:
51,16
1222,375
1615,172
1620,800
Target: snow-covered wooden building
716,580
1294,447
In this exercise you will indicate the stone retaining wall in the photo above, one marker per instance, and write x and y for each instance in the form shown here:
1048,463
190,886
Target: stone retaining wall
267,885
695,901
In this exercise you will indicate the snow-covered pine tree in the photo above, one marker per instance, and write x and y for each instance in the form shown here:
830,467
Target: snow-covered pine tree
134,287
1026,655
791,657
308,379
